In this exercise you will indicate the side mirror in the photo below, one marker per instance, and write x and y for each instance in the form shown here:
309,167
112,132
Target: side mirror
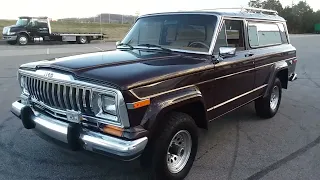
227,52
117,43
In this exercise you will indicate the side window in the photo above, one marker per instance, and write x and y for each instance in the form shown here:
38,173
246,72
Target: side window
231,35
264,34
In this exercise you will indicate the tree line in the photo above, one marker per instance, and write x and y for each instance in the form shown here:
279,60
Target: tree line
301,18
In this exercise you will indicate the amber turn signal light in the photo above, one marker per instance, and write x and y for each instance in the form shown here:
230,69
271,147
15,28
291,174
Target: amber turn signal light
113,130
140,104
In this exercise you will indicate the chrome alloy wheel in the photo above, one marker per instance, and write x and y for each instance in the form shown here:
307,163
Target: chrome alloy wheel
179,151
23,40
274,99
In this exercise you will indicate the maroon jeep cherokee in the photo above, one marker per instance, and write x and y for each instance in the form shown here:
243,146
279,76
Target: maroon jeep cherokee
171,74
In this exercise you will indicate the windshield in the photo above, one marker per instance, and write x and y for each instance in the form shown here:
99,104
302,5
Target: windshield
191,32
22,22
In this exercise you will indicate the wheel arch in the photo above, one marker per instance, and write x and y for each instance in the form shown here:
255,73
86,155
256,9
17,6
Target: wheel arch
279,70
24,33
189,101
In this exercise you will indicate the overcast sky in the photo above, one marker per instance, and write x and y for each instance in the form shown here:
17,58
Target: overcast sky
84,8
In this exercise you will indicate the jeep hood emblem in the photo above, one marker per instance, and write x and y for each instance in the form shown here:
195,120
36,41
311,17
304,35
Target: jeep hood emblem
54,75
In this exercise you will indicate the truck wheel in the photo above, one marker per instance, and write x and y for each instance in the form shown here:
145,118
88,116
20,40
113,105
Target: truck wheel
12,42
22,39
175,148
268,107
82,40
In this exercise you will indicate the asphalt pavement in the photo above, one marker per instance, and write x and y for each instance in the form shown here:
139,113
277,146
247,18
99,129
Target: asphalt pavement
237,146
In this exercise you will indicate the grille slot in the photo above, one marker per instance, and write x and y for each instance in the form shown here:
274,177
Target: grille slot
60,96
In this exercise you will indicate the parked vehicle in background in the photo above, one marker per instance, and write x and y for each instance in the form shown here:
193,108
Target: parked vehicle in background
38,29
171,74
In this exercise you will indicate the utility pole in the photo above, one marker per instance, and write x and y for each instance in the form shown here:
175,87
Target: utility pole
121,18
100,25
109,18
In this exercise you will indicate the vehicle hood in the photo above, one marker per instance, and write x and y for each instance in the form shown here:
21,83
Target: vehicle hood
15,28
125,69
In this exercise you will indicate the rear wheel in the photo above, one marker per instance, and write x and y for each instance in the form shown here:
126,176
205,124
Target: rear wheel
268,107
82,39
22,39
175,148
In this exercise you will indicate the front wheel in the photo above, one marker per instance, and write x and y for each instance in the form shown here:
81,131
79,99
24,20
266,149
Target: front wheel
268,107
175,149
22,39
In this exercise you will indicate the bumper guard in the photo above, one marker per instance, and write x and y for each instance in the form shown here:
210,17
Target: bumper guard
77,137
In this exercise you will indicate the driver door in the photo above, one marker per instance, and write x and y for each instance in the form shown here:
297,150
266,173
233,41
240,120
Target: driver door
38,28
233,76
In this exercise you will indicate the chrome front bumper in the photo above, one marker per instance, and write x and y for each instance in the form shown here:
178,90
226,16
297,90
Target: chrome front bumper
9,38
74,135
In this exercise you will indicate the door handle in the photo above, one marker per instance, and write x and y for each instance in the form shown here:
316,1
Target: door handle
249,54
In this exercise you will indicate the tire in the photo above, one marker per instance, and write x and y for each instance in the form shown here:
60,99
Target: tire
12,42
82,40
268,107
181,129
22,39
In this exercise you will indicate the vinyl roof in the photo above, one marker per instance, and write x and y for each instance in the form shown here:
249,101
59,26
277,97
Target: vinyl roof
244,15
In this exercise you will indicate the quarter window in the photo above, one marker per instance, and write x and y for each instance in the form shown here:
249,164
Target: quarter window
264,34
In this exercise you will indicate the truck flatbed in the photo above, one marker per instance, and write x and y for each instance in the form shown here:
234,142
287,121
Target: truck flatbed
38,29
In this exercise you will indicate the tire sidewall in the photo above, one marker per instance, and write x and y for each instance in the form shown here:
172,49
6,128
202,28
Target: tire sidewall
83,37
160,160
277,82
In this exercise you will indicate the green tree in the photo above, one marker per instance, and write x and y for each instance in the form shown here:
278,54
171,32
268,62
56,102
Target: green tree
272,4
255,3
300,17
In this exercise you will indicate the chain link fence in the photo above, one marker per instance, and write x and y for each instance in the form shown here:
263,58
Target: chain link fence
104,18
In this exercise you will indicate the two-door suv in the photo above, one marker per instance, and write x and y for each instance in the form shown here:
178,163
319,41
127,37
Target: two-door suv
171,74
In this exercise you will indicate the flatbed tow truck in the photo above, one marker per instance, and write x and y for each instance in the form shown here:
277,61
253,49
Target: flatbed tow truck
38,29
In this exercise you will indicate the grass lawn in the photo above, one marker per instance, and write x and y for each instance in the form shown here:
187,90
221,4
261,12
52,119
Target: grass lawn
113,32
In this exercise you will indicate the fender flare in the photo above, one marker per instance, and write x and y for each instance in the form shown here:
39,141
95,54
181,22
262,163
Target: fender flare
165,103
275,69
24,32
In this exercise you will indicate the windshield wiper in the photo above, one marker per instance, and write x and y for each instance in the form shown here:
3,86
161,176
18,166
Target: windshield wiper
157,46
126,44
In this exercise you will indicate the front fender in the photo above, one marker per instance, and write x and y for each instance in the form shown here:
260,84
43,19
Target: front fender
167,102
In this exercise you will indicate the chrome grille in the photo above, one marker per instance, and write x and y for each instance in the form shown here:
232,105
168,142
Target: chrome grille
59,95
